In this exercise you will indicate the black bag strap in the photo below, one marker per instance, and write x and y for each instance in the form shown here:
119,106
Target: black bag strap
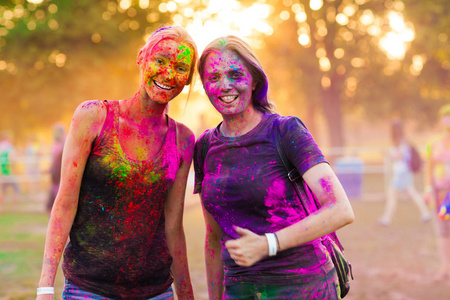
293,174
297,180
205,144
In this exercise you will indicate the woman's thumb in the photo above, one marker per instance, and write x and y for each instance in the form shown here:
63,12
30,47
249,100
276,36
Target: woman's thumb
241,231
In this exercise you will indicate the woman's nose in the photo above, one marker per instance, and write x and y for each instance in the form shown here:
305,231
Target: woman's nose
225,84
169,73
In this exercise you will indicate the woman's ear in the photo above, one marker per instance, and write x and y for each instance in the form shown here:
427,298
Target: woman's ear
140,58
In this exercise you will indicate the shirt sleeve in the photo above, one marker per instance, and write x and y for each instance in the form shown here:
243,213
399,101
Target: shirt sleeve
199,161
299,145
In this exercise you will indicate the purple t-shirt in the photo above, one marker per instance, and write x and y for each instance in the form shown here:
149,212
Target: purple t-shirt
244,183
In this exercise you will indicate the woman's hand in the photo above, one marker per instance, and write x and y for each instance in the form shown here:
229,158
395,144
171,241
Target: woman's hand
428,199
248,249
428,196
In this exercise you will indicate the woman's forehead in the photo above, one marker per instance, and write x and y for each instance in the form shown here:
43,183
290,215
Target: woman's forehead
174,49
224,59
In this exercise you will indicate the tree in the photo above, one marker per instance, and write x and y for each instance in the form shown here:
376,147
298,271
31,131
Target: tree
429,56
354,56
55,54
324,57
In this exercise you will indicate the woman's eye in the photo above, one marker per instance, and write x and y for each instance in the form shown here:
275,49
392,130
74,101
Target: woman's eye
236,75
213,78
159,61
182,69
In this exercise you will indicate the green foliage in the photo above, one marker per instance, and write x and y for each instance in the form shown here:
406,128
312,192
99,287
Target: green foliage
62,52
382,87
55,54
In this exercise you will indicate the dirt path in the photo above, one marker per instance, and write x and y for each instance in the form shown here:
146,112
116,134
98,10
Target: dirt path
393,263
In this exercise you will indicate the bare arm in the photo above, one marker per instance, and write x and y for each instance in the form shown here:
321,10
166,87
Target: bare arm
173,210
86,124
335,212
214,263
428,174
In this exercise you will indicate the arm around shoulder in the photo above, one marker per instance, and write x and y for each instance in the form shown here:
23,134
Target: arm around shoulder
174,207
186,142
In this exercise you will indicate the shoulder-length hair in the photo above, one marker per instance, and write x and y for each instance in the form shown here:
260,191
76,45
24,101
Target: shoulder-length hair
260,98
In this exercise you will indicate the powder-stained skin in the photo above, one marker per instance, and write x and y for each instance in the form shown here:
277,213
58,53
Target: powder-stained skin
246,192
124,172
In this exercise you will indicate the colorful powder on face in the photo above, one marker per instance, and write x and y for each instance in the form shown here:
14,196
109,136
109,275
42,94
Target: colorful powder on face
185,53
168,65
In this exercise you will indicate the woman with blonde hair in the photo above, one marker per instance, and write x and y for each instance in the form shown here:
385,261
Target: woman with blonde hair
260,242
123,178
437,186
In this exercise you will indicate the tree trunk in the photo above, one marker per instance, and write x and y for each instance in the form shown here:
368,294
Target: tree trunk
332,110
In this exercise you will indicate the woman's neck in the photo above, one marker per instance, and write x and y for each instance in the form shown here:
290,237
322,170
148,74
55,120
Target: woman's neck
237,125
140,109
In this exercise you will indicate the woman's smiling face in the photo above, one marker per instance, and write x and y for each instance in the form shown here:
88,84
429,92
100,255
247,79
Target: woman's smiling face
167,70
228,82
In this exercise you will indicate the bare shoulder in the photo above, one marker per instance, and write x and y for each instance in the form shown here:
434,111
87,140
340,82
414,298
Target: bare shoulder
91,109
89,116
186,139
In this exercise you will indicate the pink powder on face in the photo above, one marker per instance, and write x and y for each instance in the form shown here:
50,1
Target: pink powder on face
228,82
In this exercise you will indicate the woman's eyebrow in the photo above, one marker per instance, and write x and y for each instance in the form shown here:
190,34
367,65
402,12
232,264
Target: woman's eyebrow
236,70
160,55
182,63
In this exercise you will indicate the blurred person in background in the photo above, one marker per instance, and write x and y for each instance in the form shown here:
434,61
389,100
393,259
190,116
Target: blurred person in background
402,177
59,137
7,160
123,181
437,185
259,240
32,166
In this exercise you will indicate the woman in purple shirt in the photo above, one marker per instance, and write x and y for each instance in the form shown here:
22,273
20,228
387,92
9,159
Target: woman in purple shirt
246,193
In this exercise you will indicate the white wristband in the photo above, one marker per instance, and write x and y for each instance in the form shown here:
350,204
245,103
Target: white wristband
272,241
47,290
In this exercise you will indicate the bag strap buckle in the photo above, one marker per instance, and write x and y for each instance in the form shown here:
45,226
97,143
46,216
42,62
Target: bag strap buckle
294,174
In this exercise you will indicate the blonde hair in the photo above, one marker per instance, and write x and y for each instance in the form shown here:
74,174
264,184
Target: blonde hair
176,33
260,98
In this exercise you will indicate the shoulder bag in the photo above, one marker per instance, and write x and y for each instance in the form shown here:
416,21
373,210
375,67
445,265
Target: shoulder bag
330,241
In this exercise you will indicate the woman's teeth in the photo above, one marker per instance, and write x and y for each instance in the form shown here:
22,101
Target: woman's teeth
163,86
227,99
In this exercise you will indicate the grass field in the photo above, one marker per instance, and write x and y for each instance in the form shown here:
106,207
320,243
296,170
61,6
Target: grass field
21,246
393,263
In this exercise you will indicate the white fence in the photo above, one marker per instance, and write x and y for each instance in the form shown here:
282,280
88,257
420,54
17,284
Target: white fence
362,170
